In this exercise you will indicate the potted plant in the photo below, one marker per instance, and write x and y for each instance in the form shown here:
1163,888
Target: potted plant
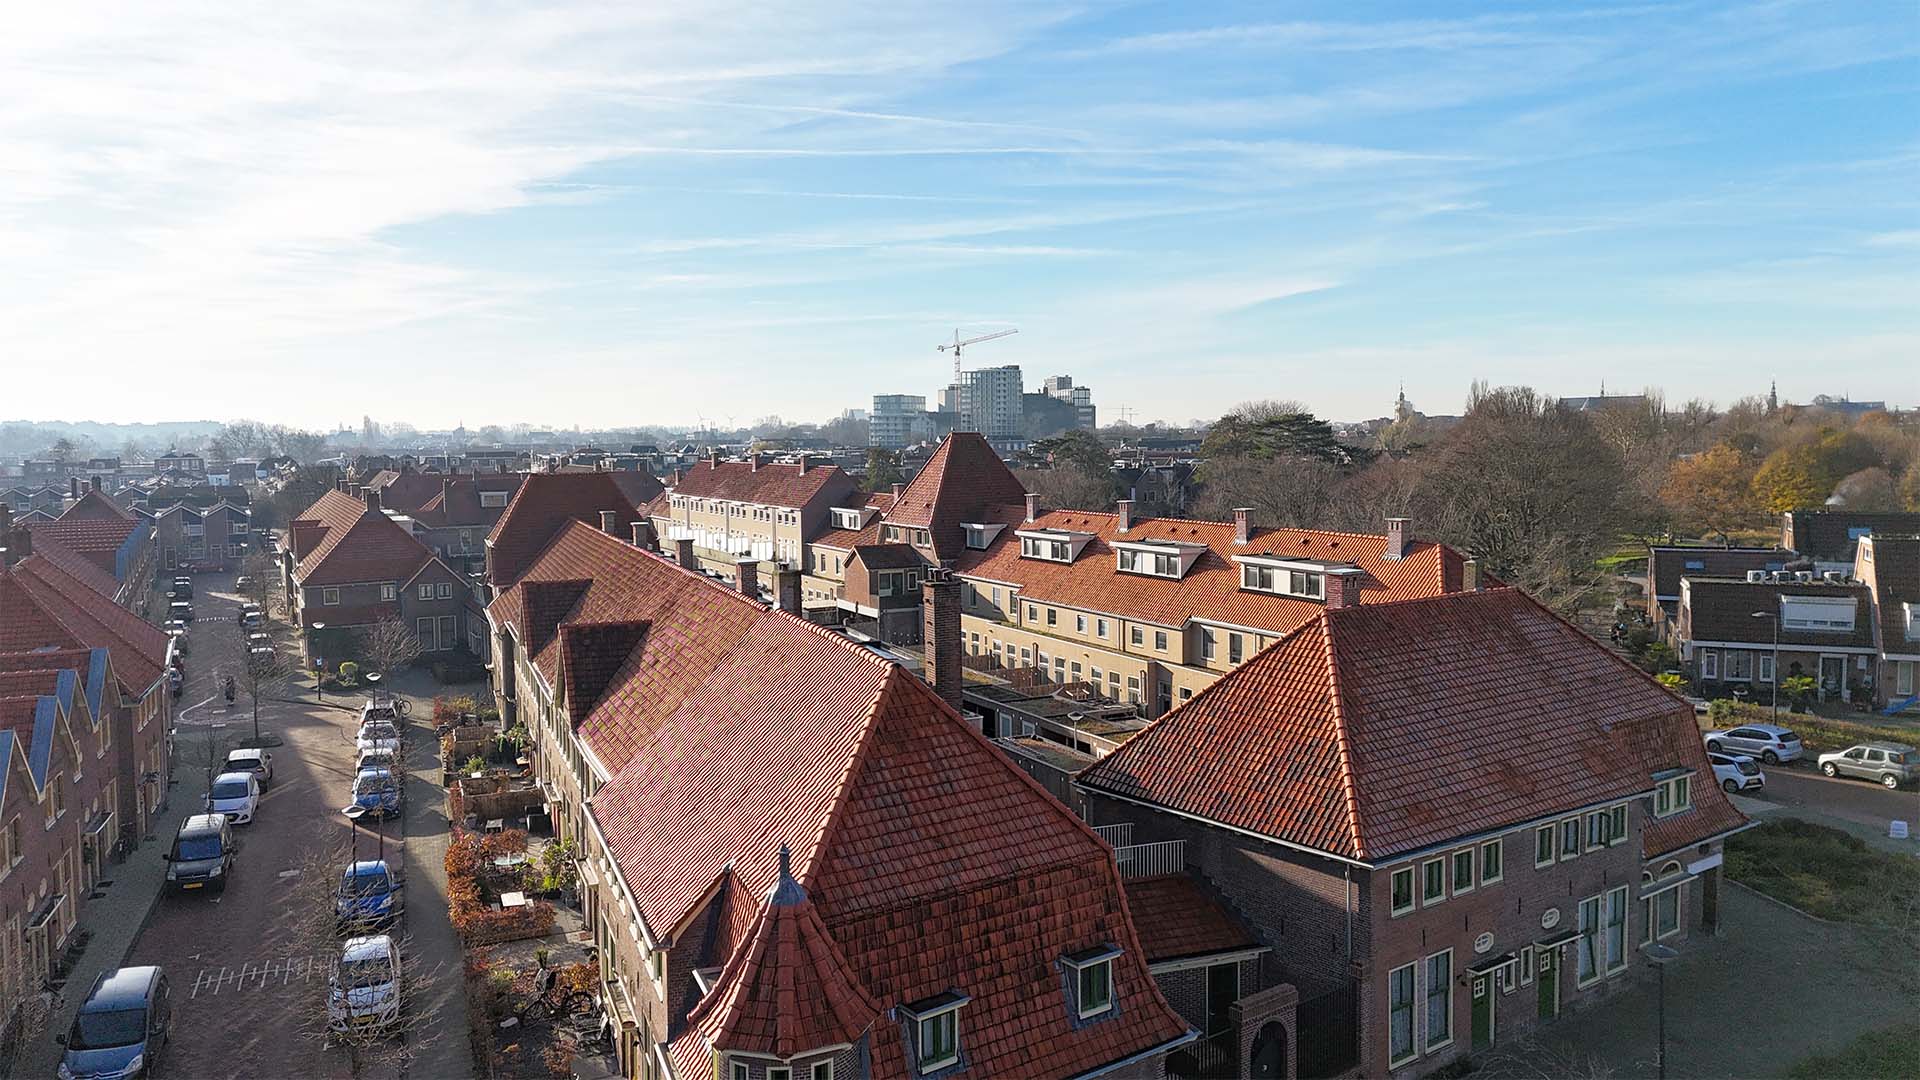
1800,690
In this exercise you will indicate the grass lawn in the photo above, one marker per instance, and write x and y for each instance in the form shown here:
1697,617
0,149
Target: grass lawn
1830,874
1891,1053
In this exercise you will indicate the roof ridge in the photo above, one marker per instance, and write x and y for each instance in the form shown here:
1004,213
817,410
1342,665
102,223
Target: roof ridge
1343,738
843,787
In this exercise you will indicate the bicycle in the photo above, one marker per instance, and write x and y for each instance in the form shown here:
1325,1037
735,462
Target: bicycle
558,997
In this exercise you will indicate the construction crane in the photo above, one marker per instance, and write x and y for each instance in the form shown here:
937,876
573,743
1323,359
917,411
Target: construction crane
957,344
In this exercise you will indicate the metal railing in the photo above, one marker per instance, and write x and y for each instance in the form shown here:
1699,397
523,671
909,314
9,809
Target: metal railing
1116,836
1151,860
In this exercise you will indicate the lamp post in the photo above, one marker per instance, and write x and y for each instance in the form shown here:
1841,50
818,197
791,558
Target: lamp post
1775,618
319,695
1660,956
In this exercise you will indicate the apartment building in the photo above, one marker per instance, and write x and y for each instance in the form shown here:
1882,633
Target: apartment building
753,509
1061,388
796,859
1889,567
1437,856
989,401
898,420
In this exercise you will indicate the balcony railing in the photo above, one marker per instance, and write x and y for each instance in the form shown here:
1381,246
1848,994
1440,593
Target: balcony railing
1151,860
1116,836
1037,680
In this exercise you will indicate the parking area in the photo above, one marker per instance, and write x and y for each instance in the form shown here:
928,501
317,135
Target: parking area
249,965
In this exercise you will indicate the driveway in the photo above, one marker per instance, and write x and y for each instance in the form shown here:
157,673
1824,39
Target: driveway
1776,988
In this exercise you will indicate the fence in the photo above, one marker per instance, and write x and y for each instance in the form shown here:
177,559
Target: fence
1116,836
1151,860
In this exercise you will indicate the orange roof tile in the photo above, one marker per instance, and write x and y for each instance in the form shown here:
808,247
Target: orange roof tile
1178,918
339,541
538,511
962,478
768,485
41,605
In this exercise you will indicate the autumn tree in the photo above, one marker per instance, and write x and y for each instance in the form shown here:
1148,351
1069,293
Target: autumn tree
1711,491
1791,479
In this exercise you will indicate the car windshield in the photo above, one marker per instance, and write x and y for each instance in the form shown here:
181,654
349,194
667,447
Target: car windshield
367,783
102,1030
230,789
362,884
379,730
1788,736
371,971
188,848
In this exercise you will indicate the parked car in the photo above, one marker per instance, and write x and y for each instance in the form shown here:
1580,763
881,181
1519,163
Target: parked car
121,1029
380,757
380,734
181,610
364,990
202,854
183,588
1770,743
369,894
379,710
255,761
1737,772
1887,763
242,582
235,794
250,616
377,791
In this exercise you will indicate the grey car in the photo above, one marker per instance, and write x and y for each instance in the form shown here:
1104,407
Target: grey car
1886,763
1770,743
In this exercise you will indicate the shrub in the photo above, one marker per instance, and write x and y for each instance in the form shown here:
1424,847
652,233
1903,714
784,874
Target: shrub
1673,682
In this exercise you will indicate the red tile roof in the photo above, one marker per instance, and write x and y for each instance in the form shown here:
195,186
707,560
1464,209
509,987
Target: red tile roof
1383,729
962,478
456,503
95,506
538,511
1211,588
339,541
98,540
1178,918
42,605
76,565
769,485
932,863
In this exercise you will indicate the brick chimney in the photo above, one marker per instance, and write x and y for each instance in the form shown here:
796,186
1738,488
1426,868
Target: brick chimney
786,590
73,487
643,535
1033,505
801,460
373,499
683,554
1242,526
1396,537
1470,575
746,578
898,490
96,483
941,638
610,522
1125,508
755,460
675,481
1343,589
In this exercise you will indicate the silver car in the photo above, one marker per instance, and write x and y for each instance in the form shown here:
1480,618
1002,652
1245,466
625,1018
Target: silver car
1770,743
1888,764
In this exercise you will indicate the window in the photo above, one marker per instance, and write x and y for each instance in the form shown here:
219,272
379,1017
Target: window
1401,888
1739,667
1586,952
1433,881
1616,929
1766,667
237,528
1597,821
329,597
938,1044
444,590
1439,999
426,590
1543,846
1053,616
1666,912
1160,641
15,852
1672,795
1526,965
1257,578
1206,644
1709,664
1236,649
1079,624
1569,838
822,1070
1492,855
1050,550
1033,613
1148,562
1139,636
1463,871
995,593
1305,584
1400,1014
780,1072
1095,988
1099,628
740,1070
1822,613
1617,824
494,499
389,592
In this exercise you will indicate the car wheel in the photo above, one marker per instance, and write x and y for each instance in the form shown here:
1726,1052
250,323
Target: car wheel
1829,769
1770,757
1890,782
1713,745
1729,786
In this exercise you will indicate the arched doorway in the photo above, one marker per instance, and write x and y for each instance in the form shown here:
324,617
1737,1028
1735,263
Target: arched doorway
1269,1057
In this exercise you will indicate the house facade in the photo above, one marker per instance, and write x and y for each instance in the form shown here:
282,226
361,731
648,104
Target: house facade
1889,566
219,537
1727,627
753,509
1438,859
901,902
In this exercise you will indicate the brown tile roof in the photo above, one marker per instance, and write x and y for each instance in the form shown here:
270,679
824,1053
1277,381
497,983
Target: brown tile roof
456,503
1211,588
1667,565
1829,534
888,556
338,541
1896,583
1177,917
959,482
769,485
95,506
932,863
41,605
1384,729
538,511
1720,609
98,540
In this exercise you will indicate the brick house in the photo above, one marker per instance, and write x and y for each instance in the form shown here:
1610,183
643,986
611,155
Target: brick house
1668,563
1438,856
1828,536
28,499
115,540
457,517
755,509
798,861
1889,566
542,506
347,566
218,537
1726,632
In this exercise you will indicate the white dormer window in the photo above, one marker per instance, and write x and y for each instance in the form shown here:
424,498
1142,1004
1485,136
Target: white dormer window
934,1028
1672,793
1832,614
493,500
845,517
1283,580
1092,982
1168,559
980,536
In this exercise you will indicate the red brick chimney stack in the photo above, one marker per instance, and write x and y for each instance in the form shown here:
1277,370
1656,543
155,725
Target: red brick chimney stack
1396,537
1242,526
610,522
373,499
1343,589
942,635
1125,507
746,578
898,490
786,590
683,554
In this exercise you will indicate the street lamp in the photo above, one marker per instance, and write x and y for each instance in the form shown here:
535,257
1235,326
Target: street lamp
1774,616
318,693
1660,956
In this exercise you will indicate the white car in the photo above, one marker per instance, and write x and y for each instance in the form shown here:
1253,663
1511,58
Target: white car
378,757
235,794
1770,743
1736,773
258,762
378,735
363,993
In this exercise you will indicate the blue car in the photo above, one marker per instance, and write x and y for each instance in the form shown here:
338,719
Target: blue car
121,1028
368,894
377,791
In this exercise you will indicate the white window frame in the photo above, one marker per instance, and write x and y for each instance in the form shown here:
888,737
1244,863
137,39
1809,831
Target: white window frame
426,590
1414,1003
950,1017
1498,847
389,591
443,590
1553,840
1709,664
1080,986
820,1070
330,597
1570,851
1526,965
1428,1044
1453,870
1674,795
1428,895
1407,874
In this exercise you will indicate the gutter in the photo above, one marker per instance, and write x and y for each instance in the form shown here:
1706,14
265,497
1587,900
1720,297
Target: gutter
1177,1041
1736,830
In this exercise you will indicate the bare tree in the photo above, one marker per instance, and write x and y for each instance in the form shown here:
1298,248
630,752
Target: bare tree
261,673
389,645
262,574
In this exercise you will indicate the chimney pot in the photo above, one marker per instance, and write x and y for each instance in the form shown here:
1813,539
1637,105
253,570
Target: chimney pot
1125,507
683,554
1343,590
1242,525
610,522
746,578
941,610
1033,505
1396,537
643,534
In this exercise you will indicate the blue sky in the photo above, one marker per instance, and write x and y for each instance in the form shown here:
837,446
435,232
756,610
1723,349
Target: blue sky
638,213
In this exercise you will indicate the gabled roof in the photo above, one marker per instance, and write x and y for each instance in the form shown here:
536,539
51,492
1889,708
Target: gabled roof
99,540
930,861
1210,589
1379,730
94,506
962,478
1896,585
1178,918
538,511
41,606
456,502
769,485
75,565
1721,609
339,541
